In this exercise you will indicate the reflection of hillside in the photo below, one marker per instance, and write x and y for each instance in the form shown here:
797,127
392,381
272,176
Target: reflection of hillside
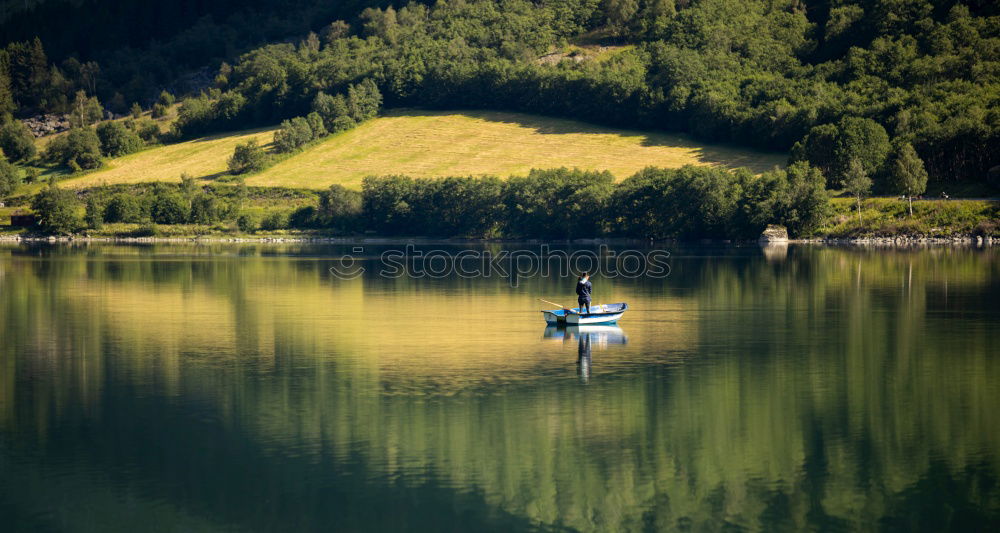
242,308
841,416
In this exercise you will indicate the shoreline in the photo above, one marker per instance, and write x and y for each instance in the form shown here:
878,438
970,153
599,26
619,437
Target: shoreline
899,241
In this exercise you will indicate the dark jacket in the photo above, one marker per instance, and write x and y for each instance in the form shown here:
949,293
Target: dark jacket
583,291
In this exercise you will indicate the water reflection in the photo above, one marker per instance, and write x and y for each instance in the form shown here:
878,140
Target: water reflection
244,389
586,337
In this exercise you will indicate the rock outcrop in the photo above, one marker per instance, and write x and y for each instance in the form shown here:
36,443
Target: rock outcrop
774,234
41,125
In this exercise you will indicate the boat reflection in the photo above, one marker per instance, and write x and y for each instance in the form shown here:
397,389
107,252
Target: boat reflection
587,338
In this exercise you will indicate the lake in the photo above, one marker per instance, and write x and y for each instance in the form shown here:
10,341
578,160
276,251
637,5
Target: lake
257,387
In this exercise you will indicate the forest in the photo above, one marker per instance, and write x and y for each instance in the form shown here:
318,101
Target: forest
880,96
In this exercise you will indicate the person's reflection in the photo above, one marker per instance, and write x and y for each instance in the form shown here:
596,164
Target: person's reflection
583,357
586,337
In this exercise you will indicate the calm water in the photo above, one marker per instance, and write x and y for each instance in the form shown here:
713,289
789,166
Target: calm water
245,388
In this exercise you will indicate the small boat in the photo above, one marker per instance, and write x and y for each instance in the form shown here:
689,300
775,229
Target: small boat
599,314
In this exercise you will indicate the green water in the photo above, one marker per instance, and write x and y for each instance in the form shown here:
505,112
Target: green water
245,388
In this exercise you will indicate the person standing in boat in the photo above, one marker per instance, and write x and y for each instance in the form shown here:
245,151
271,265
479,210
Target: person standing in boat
583,289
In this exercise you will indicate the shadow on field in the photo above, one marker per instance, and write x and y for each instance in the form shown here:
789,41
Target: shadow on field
729,156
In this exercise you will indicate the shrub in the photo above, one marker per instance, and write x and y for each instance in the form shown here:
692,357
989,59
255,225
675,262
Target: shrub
159,111
57,210
303,217
78,149
247,157
169,208
117,140
16,141
166,99
94,212
316,125
124,207
205,209
292,134
147,130
340,207
10,178
247,222
274,220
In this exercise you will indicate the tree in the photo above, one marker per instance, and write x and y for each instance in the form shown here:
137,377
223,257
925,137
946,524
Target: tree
10,178
57,210
78,149
16,141
292,134
909,177
339,207
86,110
247,157
364,100
620,14
166,99
94,210
169,207
7,105
136,110
857,182
117,140
864,140
124,208
337,29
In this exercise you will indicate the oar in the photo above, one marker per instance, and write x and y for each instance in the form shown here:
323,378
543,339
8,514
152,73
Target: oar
559,306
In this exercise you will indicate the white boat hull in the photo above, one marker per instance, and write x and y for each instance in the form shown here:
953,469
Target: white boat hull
600,314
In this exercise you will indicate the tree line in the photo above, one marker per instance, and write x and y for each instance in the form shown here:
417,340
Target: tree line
655,203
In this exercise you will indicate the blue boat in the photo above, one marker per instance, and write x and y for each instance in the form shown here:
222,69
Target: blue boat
599,314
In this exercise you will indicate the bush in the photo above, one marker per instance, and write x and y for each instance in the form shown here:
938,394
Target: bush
10,178
147,130
340,208
16,141
166,99
124,207
94,212
795,198
247,222
57,210
205,209
247,157
292,135
117,140
169,208
303,217
316,125
78,149
159,111
274,220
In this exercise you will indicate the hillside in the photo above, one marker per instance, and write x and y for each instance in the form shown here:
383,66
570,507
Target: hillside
432,144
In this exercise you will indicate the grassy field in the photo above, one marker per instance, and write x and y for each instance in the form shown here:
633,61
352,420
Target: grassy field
430,144
887,217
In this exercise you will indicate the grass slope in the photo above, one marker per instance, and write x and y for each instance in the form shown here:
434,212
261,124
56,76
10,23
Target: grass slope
430,144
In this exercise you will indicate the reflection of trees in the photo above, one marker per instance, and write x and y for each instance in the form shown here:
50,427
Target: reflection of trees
858,403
